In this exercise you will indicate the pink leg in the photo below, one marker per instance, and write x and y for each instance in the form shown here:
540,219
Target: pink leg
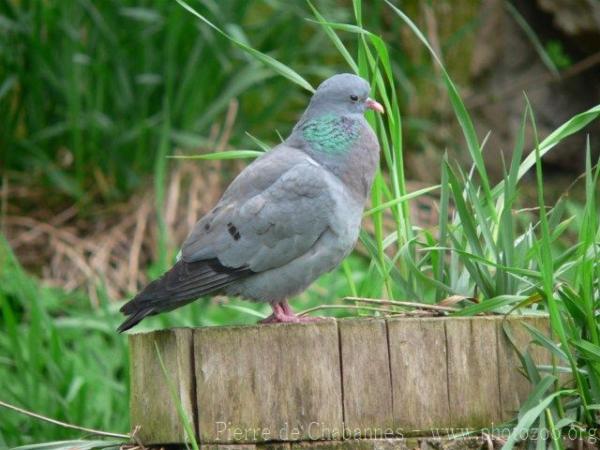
273,318
283,313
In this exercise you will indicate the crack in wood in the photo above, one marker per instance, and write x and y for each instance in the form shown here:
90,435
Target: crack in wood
499,374
194,387
341,373
447,367
389,358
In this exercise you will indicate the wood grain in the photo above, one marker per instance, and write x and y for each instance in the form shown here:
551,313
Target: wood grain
366,377
514,386
152,405
419,373
273,386
473,385
275,382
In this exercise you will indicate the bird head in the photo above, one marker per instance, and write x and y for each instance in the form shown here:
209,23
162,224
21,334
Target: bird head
343,94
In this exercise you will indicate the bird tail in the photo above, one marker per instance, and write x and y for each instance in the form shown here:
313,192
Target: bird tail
182,284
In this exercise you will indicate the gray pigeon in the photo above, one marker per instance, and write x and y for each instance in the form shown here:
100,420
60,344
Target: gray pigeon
290,216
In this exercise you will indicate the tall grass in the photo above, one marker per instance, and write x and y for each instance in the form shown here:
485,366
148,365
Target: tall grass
56,360
557,408
91,90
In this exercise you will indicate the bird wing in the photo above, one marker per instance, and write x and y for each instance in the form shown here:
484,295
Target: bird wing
180,285
268,227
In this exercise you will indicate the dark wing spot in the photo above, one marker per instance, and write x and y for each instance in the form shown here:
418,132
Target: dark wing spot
207,227
233,231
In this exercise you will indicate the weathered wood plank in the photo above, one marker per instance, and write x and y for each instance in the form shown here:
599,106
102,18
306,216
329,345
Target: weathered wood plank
252,385
473,385
366,377
514,386
275,382
152,405
418,357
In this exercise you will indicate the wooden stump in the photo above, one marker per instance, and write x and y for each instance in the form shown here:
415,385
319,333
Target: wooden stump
370,381
152,404
266,383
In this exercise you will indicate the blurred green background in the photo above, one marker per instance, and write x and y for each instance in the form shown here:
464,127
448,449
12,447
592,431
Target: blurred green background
95,95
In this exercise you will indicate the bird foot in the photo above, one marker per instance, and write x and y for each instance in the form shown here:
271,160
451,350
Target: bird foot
282,313
292,318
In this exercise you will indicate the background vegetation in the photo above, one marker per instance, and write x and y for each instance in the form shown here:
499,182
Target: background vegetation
95,96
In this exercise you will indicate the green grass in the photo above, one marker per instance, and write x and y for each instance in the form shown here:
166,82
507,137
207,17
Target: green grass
59,355
48,366
102,84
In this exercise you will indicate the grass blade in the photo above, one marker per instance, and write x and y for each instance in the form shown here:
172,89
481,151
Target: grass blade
570,127
217,156
185,420
529,418
267,60
402,198
460,110
334,38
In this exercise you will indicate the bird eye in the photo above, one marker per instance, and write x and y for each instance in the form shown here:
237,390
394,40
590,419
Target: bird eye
354,98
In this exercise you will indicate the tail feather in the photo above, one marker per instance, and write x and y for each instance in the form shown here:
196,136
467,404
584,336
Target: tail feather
182,284
134,319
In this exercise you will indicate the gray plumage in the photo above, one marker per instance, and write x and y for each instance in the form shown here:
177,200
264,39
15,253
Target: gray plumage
290,216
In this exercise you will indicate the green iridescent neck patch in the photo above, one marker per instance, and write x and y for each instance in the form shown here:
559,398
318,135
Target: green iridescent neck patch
331,133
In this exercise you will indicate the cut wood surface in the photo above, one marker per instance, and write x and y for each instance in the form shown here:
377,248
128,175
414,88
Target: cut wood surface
366,377
473,388
152,405
299,384
514,386
418,358
278,382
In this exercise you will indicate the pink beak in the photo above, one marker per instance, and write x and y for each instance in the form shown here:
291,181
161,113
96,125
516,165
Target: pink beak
375,106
